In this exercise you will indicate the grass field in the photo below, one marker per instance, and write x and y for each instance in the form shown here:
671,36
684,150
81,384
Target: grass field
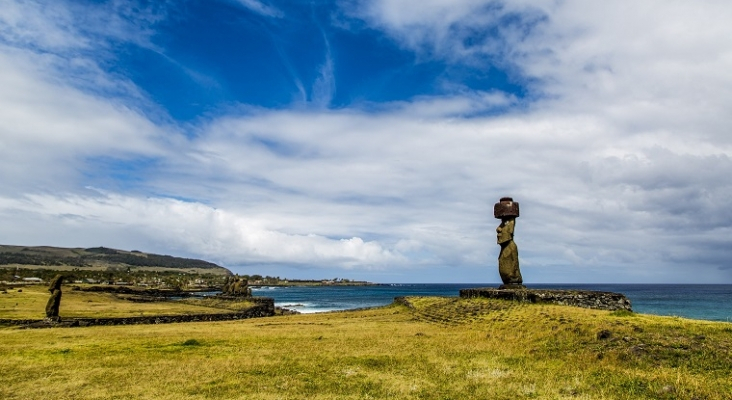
442,348
30,303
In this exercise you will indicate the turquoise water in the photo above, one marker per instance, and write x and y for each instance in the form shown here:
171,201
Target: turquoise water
709,302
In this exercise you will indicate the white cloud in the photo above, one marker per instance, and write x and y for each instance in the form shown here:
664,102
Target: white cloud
60,108
50,128
187,227
653,69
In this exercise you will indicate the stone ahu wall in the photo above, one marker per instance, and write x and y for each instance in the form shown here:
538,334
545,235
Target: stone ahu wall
265,308
578,298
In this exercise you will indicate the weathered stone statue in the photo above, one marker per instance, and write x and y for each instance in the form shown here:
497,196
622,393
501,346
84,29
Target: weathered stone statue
227,284
507,211
54,302
236,286
241,288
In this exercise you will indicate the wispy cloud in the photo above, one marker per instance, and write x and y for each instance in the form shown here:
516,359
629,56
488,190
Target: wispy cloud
470,31
325,85
260,8
36,26
62,26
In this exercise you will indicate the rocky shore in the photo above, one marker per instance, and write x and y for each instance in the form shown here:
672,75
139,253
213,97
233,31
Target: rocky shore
578,298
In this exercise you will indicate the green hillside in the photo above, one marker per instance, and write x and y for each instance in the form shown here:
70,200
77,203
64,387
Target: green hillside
100,258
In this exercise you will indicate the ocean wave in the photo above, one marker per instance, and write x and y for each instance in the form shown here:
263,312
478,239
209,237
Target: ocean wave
290,305
317,310
265,288
307,308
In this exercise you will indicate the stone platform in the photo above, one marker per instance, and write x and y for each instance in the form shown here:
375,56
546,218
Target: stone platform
578,298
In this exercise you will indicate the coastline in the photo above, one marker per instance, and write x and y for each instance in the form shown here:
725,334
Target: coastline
314,283
697,301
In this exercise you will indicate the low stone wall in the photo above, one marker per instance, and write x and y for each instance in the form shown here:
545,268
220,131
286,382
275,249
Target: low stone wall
578,298
152,293
265,308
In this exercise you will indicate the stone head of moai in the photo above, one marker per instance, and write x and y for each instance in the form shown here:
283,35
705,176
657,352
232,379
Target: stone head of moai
236,286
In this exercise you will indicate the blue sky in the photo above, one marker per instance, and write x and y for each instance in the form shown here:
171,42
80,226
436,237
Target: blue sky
207,56
370,139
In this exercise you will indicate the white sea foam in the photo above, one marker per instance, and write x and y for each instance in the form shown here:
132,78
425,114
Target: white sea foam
305,308
291,305
265,288
316,310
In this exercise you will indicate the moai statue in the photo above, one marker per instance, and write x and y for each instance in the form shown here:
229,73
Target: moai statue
227,284
236,286
241,288
54,302
507,211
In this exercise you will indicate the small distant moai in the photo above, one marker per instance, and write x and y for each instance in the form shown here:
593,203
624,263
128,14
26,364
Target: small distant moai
227,283
236,286
507,211
54,302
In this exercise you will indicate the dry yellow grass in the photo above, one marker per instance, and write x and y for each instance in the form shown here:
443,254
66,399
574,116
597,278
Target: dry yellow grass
440,349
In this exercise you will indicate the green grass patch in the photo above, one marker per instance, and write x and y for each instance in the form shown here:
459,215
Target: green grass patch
622,313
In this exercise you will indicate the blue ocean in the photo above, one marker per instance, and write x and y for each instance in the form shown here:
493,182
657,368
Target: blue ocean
707,302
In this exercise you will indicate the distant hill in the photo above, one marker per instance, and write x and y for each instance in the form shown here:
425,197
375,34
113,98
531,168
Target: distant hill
99,258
